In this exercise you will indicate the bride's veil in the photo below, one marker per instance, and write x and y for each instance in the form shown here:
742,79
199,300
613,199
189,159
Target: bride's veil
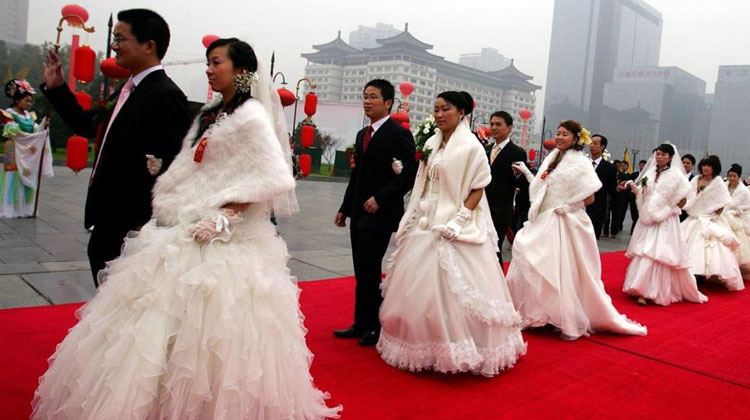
284,204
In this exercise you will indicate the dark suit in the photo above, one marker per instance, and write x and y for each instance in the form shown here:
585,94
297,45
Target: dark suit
372,176
502,188
153,120
598,210
620,205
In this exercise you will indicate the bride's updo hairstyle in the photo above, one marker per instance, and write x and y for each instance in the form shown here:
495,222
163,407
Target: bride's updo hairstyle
243,57
574,127
736,169
461,100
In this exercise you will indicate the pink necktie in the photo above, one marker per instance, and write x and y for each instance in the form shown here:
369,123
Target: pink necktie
124,93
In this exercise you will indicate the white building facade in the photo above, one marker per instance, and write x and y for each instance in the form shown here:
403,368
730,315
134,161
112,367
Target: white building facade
340,72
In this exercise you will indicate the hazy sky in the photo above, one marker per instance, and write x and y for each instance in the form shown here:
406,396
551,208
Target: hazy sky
698,35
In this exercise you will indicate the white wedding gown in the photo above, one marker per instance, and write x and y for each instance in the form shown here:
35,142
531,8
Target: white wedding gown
187,331
710,240
659,269
445,303
184,331
555,274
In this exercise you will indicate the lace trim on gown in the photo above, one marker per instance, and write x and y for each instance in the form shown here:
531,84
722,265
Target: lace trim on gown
461,356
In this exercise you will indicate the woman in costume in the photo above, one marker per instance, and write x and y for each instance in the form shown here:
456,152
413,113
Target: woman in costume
710,240
659,269
23,146
555,274
199,317
737,216
445,303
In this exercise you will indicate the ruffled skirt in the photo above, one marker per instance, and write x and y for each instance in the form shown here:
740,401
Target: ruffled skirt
659,266
555,278
711,245
183,331
446,308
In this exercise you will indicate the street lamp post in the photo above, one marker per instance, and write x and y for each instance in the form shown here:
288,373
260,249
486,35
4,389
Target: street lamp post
311,85
475,119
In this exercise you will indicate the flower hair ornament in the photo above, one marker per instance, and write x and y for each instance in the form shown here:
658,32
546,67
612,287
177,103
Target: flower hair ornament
245,80
584,137
16,87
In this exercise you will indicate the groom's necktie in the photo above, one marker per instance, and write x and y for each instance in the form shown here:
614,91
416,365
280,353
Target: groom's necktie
367,138
121,99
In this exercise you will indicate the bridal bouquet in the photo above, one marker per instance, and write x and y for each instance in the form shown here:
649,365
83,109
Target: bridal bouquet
424,131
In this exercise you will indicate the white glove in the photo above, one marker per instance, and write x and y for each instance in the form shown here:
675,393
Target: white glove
153,164
453,227
520,166
215,227
569,208
397,166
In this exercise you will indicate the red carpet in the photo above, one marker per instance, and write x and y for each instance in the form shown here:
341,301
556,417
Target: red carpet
693,364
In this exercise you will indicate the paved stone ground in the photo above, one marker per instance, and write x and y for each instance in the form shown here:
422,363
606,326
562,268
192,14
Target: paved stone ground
43,261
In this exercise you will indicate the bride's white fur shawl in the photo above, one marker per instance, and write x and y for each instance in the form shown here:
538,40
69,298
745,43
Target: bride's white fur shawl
740,198
463,167
658,200
714,197
242,163
573,180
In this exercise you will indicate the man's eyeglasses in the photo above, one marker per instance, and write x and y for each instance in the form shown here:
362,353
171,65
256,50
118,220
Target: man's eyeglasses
117,40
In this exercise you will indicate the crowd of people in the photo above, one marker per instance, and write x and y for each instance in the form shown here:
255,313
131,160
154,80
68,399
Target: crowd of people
197,316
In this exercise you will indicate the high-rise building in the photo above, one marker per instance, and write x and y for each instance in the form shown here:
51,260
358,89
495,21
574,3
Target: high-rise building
645,106
341,71
489,59
367,36
730,125
590,39
14,20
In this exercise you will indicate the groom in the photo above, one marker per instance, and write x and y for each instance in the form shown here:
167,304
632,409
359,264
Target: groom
139,135
374,201
502,189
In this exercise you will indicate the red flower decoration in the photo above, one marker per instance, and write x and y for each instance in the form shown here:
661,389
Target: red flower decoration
544,175
418,156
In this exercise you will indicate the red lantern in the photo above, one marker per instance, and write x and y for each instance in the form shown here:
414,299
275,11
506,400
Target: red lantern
286,96
84,100
74,11
406,88
111,69
406,125
85,59
307,135
305,164
209,39
311,104
525,114
549,144
400,117
77,153
532,154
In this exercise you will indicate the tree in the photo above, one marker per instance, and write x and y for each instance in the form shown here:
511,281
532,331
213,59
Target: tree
328,145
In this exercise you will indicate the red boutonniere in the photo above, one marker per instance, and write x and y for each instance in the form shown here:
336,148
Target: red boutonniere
198,157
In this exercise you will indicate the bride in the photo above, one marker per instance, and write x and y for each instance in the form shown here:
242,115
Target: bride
199,317
737,216
710,240
659,269
555,273
445,303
